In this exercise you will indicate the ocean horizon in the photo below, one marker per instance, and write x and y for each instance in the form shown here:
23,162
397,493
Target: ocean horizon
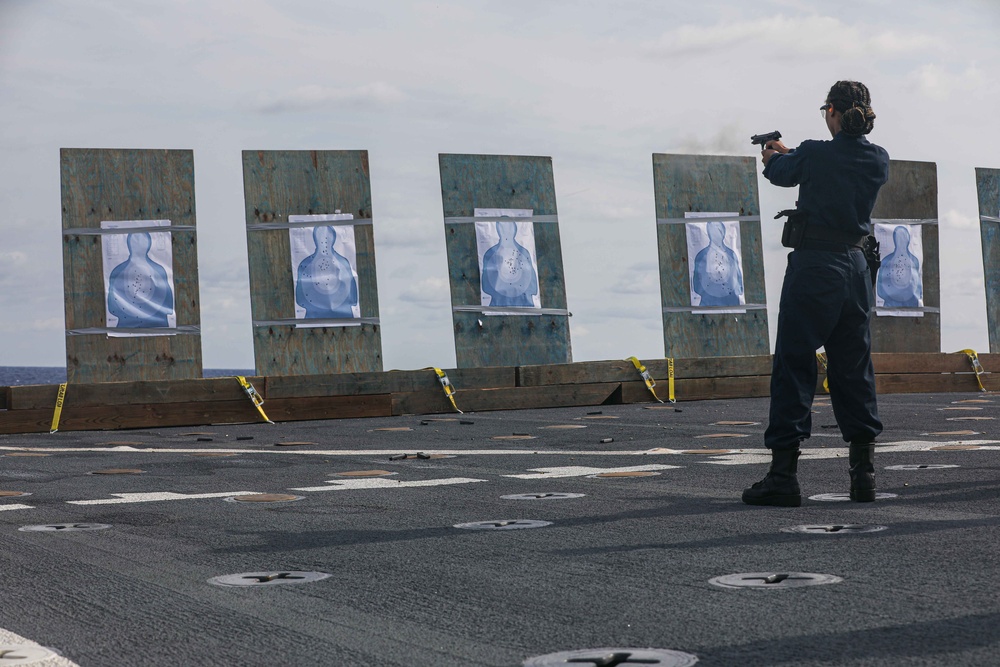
11,376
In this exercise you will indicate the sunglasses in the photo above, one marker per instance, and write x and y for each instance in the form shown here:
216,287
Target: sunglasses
823,109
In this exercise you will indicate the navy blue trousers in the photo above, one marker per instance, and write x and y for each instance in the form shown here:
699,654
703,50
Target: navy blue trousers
826,300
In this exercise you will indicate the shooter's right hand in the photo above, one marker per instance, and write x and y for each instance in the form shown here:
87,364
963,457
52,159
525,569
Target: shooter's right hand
776,145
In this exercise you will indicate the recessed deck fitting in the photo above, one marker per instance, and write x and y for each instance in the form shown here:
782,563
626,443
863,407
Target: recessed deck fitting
834,529
844,497
264,498
542,496
774,580
63,527
614,657
277,578
503,524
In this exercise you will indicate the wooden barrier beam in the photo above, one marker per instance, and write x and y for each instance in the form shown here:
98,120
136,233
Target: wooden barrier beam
329,407
718,367
700,389
96,418
144,404
932,383
508,398
940,362
625,371
97,394
160,415
389,382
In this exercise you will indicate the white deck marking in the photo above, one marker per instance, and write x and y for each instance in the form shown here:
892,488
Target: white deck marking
336,452
582,471
382,483
735,457
157,496
750,456
4,508
9,639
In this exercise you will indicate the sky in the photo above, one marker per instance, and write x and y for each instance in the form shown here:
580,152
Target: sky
597,85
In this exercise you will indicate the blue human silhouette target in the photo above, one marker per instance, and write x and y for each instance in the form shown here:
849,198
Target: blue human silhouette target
715,263
508,263
899,288
324,269
138,277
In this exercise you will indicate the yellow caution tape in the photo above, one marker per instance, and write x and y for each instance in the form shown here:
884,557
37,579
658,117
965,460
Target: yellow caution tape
60,398
646,377
670,380
258,400
449,390
821,358
976,366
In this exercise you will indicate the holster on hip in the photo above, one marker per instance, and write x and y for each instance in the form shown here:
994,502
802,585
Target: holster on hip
872,256
794,231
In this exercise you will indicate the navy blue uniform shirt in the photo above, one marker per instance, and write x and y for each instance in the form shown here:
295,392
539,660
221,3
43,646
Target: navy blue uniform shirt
839,180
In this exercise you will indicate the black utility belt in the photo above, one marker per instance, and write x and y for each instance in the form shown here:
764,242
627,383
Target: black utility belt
798,233
828,246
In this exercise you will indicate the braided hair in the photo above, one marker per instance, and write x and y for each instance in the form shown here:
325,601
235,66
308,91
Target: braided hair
853,101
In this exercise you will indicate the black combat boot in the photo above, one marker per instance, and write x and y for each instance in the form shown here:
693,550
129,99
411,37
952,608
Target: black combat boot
779,487
862,472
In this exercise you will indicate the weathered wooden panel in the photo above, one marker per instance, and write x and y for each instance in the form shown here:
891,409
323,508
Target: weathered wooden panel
283,349
501,181
721,184
277,184
911,193
509,398
988,186
625,371
350,384
495,343
118,184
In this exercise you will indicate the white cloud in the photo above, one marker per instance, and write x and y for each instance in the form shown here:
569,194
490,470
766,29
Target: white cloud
426,293
970,285
959,221
311,97
13,259
586,83
780,34
941,82
638,279
56,324
409,234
